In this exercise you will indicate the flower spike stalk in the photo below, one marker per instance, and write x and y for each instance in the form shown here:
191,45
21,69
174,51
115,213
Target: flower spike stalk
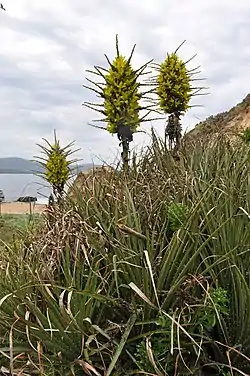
121,95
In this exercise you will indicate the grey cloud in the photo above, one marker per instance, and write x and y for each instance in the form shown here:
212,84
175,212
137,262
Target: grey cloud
42,90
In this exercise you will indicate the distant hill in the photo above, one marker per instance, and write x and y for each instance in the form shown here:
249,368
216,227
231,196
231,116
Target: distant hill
15,165
227,124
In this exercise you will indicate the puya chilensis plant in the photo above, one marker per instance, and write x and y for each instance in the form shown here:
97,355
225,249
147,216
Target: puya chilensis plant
174,90
121,95
56,165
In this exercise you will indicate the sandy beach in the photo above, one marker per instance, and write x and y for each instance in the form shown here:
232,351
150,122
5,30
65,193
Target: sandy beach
21,208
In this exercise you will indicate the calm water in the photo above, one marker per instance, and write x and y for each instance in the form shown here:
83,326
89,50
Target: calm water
16,185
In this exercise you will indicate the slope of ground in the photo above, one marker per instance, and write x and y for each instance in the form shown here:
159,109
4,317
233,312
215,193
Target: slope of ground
228,124
86,178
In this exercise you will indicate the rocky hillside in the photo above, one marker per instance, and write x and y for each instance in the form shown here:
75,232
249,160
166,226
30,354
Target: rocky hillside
228,124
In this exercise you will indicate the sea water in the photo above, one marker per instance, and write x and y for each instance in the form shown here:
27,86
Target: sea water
17,185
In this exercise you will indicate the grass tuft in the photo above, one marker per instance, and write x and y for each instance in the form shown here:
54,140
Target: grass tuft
141,272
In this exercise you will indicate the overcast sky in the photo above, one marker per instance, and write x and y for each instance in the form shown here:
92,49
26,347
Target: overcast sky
46,46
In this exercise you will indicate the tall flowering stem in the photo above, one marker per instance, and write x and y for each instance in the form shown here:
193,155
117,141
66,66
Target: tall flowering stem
121,95
56,165
174,89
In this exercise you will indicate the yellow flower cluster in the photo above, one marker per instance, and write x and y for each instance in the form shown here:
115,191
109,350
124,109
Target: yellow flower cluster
173,85
121,95
57,168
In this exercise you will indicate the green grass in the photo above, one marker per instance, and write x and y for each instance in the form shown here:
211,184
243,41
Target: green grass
14,226
146,272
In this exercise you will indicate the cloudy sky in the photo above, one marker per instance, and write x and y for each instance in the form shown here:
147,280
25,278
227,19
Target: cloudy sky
46,47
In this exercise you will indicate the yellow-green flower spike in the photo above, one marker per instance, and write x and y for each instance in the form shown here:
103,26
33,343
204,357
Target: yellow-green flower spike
120,93
121,96
57,168
56,164
173,85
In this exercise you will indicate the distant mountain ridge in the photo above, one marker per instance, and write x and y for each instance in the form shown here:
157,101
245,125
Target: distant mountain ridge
16,165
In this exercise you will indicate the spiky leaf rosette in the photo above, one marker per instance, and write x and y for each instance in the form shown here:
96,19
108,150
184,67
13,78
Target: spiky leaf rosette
121,96
173,85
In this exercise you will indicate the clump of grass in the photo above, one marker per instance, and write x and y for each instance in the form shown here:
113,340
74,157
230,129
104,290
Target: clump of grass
111,287
14,225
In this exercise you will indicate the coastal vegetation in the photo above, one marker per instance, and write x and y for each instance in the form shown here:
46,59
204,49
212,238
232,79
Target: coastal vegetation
146,270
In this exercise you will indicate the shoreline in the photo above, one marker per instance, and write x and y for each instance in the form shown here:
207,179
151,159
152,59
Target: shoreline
22,208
